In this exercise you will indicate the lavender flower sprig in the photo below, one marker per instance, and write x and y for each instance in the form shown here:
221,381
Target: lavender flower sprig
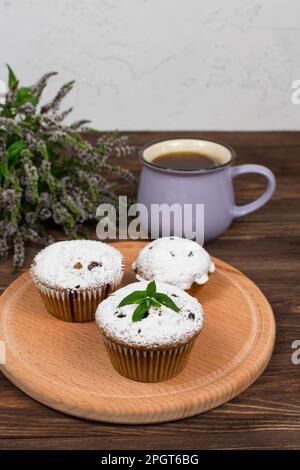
48,170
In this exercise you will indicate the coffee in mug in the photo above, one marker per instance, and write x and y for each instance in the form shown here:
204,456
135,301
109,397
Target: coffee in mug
186,160
194,172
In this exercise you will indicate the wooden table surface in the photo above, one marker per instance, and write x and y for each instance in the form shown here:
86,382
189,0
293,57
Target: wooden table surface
266,247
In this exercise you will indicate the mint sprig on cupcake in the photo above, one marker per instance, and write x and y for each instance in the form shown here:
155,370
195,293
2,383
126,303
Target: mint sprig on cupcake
146,299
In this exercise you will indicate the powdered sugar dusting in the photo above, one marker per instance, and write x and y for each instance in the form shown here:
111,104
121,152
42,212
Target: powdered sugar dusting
161,327
78,264
174,260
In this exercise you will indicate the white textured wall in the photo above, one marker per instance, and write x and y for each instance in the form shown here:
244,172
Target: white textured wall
162,64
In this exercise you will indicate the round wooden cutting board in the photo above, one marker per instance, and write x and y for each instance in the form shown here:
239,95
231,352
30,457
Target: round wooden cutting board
66,367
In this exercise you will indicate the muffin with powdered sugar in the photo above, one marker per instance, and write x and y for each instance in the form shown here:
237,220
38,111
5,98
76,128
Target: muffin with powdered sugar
149,329
174,260
74,276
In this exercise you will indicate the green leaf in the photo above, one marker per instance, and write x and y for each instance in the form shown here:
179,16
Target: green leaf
154,303
14,151
7,112
166,301
133,298
139,312
11,77
24,96
4,172
151,288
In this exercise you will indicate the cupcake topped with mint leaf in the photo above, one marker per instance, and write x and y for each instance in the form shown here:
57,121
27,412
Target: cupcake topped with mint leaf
149,329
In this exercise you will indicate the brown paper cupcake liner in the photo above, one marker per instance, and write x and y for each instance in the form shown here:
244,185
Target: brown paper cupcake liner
75,305
146,365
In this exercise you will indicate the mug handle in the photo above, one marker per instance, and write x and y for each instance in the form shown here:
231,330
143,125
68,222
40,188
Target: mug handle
240,211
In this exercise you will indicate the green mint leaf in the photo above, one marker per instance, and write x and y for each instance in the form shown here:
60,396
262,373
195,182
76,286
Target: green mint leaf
166,301
154,303
11,77
133,298
14,151
151,288
139,312
24,96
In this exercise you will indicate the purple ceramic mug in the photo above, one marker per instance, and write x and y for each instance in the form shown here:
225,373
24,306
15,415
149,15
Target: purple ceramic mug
211,187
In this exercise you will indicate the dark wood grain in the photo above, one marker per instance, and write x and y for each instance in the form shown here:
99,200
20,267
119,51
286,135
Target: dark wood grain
266,247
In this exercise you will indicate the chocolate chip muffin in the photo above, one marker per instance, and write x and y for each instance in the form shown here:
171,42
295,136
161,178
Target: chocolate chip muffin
174,260
74,276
